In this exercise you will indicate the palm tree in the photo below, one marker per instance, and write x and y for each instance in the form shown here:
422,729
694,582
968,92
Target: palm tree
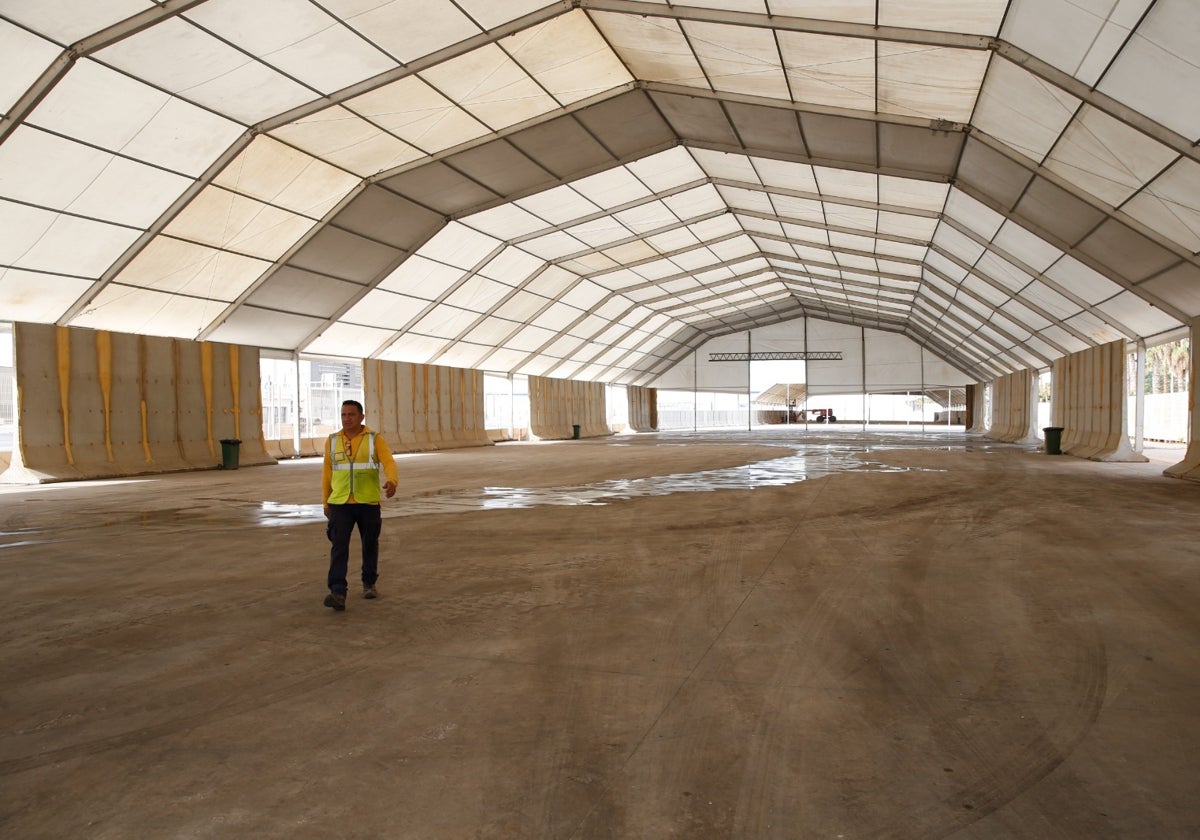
1180,361
1168,367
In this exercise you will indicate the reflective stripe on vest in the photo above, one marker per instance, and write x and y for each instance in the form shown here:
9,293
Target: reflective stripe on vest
358,478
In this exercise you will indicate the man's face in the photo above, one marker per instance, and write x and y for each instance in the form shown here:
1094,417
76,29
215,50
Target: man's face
351,418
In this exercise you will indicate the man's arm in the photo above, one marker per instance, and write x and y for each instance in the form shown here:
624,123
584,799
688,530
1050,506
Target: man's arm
388,462
326,478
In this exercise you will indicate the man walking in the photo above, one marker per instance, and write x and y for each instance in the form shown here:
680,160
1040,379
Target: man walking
350,492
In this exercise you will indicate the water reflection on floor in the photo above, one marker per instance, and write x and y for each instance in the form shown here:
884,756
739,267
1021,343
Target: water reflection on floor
807,461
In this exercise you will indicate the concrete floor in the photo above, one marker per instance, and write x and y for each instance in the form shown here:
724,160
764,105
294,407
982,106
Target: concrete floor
957,639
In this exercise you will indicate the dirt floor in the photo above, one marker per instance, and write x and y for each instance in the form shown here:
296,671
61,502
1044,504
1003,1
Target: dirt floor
771,635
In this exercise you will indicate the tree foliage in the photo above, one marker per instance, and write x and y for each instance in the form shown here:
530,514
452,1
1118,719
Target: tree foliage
1168,367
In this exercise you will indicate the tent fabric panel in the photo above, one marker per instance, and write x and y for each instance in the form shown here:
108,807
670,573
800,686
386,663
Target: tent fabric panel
421,277
1131,311
972,214
445,322
266,328
699,120
502,168
491,332
36,297
937,83
991,175
413,348
557,206
561,147
226,220
292,290
1024,112
417,114
1054,209
613,187
1029,248
841,139
345,255
409,29
277,174
981,17
627,124
381,215
918,195
718,171
143,311
753,169
490,14
554,281
567,57
829,70
98,106
477,294
1080,280
457,245
530,337
299,39
766,129
654,49
490,86
1061,32
1029,319
1049,300
553,245
499,358
25,57
504,222
891,360
440,188
339,137
1092,327
54,173
348,340
42,240
167,264
585,295
511,266
463,354
385,310
1003,273
1126,252
68,21
1159,68
738,59
1180,284
216,76
1170,204
851,11
1105,157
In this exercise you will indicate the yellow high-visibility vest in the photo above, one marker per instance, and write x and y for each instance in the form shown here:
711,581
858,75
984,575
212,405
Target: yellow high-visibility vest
358,477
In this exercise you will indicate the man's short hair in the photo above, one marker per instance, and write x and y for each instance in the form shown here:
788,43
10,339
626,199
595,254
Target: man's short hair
354,403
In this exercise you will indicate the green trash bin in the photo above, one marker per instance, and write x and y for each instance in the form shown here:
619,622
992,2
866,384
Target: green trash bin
230,449
575,432
1053,439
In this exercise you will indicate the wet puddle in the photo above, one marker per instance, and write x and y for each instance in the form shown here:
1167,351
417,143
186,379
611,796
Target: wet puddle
806,463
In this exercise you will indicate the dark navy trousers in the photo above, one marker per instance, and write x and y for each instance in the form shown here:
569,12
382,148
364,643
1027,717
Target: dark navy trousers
342,519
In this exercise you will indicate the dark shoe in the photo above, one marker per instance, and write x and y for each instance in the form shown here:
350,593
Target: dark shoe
369,592
337,600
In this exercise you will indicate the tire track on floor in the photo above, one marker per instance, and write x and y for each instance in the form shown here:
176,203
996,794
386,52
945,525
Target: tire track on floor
244,703
765,800
999,770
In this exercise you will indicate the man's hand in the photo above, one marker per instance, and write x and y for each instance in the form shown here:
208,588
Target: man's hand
389,489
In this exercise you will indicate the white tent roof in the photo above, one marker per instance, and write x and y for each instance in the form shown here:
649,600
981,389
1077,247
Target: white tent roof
592,189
